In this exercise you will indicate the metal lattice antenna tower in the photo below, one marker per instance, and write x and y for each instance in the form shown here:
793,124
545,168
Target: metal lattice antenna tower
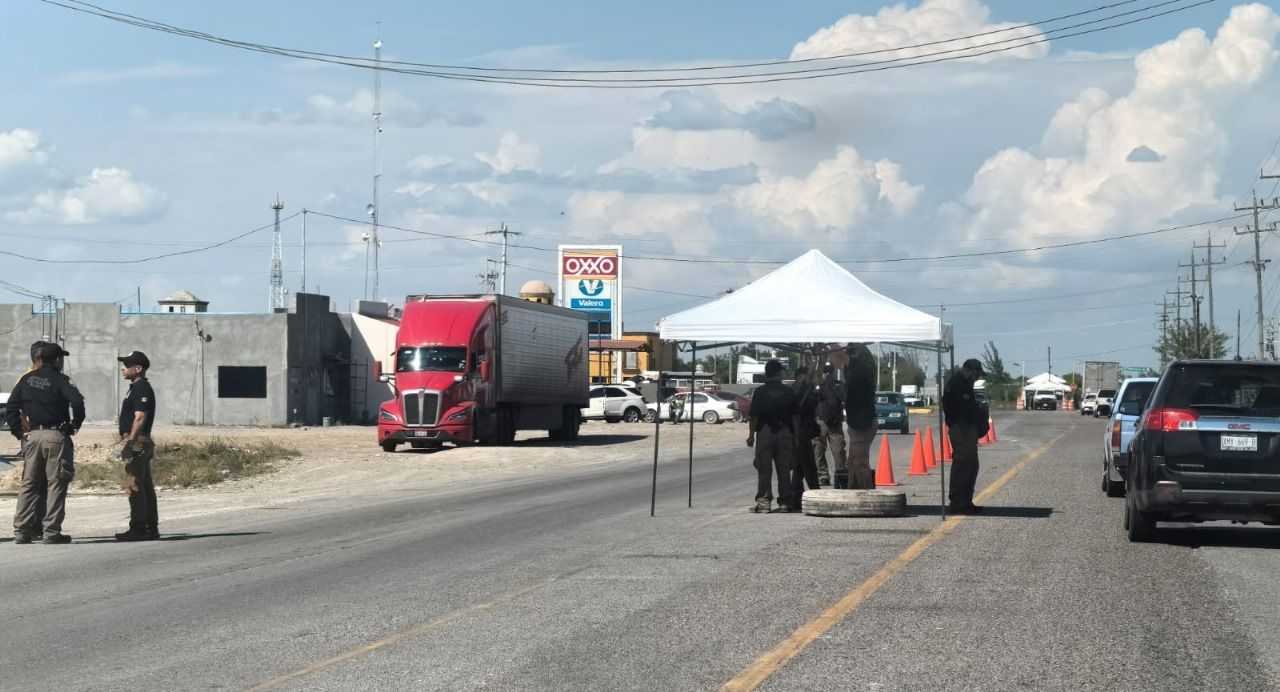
277,261
373,243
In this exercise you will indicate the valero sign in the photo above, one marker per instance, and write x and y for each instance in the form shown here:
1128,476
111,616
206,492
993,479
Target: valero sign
591,281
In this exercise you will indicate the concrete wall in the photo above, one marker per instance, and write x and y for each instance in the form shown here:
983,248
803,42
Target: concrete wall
373,344
306,355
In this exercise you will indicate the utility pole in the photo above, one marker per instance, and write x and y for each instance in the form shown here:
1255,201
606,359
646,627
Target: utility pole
1178,296
489,278
505,233
277,261
1164,331
1258,263
1208,265
1195,306
1050,360
373,243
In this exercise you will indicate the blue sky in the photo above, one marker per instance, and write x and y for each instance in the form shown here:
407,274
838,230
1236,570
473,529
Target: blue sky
124,143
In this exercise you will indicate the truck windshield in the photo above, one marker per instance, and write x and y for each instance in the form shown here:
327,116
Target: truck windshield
437,358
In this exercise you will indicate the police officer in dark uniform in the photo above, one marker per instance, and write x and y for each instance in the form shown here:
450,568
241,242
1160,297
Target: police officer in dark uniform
805,469
54,409
137,413
773,416
965,424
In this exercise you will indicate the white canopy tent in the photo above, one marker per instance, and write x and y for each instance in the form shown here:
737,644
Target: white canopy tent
1046,382
810,300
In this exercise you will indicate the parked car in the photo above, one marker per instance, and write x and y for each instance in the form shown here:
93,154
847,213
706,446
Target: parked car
708,408
1105,399
612,404
1131,396
892,413
1089,404
743,403
1207,447
1044,400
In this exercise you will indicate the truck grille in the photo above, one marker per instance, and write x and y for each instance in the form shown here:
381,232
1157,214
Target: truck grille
421,408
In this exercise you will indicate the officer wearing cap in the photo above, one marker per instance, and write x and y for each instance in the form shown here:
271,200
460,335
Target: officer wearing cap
137,413
54,409
965,425
774,417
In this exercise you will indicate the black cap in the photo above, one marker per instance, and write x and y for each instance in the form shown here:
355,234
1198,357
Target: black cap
50,352
134,358
973,364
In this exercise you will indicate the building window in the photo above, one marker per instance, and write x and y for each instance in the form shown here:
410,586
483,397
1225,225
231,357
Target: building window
170,308
631,361
242,382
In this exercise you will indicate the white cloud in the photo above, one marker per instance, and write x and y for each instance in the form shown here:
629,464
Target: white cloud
164,69
932,20
20,149
357,109
838,194
512,153
105,195
1089,181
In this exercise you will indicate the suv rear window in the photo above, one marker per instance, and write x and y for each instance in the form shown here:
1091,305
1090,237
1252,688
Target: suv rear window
1134,394
1107,394
1227,388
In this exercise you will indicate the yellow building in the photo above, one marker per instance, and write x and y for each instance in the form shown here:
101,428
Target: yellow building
638,352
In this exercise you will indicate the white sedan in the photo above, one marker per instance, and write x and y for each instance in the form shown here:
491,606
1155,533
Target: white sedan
708,408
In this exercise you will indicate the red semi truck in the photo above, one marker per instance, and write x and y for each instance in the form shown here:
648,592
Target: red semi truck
477,368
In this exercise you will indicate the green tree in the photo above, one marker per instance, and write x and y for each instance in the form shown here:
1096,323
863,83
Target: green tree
1185,341
993,365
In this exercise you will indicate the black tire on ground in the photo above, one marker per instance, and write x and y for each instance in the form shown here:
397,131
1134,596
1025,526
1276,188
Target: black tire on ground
710,417
1110,487
631,415
388,446
568,430
906,430
506,427
1140,525
854,503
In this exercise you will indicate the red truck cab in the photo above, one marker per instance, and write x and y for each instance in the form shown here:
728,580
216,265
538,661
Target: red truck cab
475,369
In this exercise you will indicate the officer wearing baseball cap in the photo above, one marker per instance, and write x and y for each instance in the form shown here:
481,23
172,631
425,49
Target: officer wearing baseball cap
137,413
965,425
54,410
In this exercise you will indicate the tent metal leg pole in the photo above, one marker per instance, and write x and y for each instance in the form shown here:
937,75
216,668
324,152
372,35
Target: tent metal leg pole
657,433
693,380
942,425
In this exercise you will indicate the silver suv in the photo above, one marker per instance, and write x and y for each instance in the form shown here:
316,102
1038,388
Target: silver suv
1119,432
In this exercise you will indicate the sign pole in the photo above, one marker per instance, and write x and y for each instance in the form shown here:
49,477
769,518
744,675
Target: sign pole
693,381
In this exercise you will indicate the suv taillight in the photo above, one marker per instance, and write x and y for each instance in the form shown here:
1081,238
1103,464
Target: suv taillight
1168,419
1115,434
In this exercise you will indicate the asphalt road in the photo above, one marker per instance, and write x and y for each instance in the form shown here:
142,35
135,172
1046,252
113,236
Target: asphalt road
562,581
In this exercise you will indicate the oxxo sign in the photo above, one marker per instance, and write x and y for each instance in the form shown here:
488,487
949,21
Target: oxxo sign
590,281
592,266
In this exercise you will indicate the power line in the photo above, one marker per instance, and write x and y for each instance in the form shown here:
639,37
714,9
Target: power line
647,82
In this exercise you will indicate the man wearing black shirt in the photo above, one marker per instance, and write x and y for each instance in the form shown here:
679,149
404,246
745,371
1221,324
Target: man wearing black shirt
965,424
53,410
804,468
773,416
860,410
137,413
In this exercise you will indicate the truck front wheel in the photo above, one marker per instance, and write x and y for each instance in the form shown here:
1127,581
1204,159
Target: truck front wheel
388,446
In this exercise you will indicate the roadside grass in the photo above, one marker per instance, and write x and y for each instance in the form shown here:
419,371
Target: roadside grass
193,464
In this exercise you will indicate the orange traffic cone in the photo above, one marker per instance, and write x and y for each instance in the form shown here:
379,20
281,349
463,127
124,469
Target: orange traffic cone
946,444
986,439
917,459
992,430
884,468
930,461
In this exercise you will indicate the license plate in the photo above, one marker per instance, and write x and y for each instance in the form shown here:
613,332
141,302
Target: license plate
424,433
1240,443
881,421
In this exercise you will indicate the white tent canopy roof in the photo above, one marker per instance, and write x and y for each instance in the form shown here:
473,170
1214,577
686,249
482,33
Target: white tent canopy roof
1045,378
810,299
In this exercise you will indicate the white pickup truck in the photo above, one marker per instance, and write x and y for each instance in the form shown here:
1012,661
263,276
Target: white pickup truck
1106,397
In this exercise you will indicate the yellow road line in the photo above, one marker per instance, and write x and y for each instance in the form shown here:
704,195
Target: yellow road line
768,664
427,626
434,623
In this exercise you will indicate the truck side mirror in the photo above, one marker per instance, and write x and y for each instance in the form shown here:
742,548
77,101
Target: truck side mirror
385,378
484,369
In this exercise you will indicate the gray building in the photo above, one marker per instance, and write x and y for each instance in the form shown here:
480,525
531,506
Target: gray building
211,368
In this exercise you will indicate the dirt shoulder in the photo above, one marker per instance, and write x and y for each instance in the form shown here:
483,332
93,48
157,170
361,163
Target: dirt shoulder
345,461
